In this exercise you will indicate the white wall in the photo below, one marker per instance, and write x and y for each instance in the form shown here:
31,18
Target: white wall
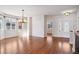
38,26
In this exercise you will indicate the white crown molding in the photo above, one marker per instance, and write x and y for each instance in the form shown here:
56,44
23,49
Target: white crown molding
8,15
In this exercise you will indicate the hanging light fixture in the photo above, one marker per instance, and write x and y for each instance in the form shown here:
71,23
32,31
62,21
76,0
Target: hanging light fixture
23,19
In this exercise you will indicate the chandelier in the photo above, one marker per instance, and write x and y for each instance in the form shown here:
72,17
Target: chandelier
23,19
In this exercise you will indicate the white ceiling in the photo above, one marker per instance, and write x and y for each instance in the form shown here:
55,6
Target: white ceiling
36,9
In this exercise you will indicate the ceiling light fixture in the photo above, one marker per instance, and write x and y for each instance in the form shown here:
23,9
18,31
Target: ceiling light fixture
67,13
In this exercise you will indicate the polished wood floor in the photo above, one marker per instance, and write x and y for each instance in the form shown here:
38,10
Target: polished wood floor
35,45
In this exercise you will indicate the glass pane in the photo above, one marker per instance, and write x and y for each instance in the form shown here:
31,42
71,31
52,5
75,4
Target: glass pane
7,25
66,27
13,25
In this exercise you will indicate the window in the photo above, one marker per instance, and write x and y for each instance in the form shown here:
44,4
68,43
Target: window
8,25
63,26
66,26
13,25
60,26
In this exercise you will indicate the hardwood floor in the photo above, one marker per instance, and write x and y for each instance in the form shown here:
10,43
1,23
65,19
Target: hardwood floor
35,45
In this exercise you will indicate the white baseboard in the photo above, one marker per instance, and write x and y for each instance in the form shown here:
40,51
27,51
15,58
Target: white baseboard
60,36
1,38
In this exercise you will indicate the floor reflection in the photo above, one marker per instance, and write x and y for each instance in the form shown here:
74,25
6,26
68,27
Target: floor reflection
35,45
